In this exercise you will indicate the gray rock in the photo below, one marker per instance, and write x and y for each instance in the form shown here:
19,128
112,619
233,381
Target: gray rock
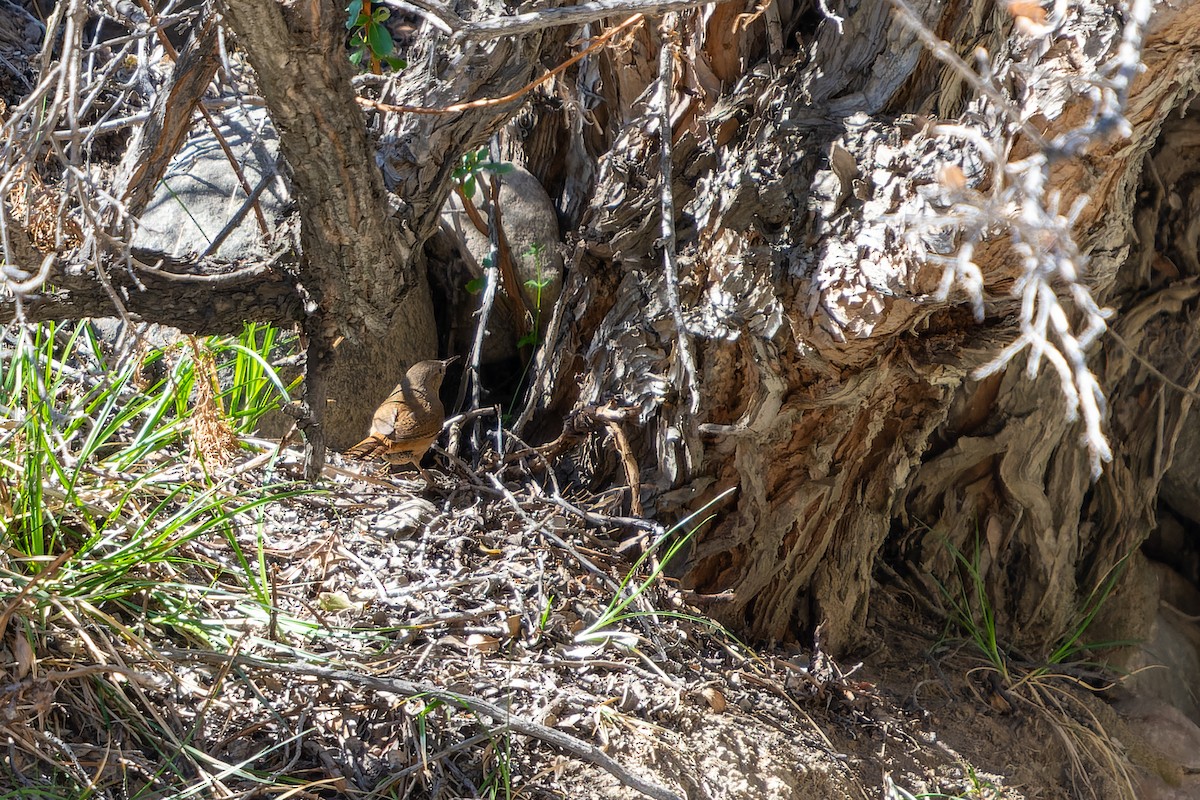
529,221
20,39
201,193
19,30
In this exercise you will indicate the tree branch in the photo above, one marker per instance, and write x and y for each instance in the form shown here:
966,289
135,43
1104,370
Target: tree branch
574,746
580,14
160,137
191,296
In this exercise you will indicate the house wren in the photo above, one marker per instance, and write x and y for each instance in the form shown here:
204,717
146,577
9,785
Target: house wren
409,420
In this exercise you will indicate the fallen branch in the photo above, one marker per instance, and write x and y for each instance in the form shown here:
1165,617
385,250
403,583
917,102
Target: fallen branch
571,744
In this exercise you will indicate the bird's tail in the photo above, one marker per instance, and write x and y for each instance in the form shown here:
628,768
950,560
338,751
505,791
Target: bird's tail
367,448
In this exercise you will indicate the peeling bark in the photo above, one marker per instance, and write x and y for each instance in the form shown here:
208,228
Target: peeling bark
835,389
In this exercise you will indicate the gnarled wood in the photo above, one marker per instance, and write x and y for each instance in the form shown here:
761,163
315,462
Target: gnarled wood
834,388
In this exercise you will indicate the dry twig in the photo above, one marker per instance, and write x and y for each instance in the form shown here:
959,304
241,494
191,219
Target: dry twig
571,744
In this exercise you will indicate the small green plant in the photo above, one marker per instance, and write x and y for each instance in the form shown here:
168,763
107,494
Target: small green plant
544,619
536,285
1069,646
1044,687
497,767
472,165
971,609
466,176
972,612
370,39
979,789
629,590
477,284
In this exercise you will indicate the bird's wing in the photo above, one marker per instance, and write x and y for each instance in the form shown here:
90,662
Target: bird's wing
414,433
384,422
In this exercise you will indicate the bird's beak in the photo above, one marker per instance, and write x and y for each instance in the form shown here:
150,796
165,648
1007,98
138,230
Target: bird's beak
448,361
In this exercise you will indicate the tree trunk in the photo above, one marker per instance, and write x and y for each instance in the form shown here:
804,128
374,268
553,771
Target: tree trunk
358,268
834,388
360,287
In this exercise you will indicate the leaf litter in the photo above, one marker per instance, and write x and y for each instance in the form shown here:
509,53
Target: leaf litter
363,640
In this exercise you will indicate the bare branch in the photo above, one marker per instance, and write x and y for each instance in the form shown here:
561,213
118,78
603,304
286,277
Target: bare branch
568,15
194,296
170,119
555,738
666,82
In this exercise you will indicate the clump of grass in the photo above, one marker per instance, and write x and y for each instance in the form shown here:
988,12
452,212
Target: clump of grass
972,613
631,588
121,531
1049,688
88,433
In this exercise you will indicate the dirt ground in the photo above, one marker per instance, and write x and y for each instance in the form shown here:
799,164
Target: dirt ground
490,639
492,593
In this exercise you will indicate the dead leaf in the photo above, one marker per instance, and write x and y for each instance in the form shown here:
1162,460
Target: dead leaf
483,643
336,601
951,177
715,700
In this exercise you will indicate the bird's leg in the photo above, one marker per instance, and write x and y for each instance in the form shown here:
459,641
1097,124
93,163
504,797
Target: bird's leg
402,463
429,481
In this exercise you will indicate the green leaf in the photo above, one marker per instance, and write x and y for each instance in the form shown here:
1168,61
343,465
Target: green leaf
477,285
528,340
395,63
497,167
379,14
353,10
357,56
469,186
380,39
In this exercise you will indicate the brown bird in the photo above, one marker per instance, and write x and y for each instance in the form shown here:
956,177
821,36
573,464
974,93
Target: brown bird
409,421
